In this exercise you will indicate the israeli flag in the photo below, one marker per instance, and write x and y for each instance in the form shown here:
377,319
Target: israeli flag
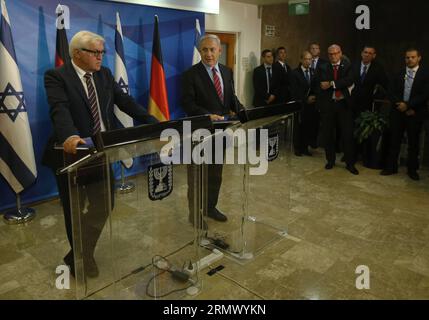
121,78
17,163
196,58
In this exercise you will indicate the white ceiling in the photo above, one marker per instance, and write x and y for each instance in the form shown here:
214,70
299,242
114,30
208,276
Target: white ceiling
262,2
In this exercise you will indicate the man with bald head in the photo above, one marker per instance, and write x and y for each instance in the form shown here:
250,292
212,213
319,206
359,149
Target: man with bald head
335,106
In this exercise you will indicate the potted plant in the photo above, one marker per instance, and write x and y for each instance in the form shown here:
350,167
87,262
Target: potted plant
369,129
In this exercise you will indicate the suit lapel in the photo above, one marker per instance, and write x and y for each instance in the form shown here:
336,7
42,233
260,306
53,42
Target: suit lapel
100,94
77,83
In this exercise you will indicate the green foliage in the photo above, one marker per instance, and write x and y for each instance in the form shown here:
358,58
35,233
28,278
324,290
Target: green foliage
368,123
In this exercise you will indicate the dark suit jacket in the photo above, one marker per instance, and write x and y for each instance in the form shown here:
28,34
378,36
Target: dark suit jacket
70,110
260,90
320,63
345,79
363,92
299,88
282,86
419,92
199,96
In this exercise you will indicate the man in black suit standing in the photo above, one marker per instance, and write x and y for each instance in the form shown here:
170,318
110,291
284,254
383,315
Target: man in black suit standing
208,89
368,75
281,75
303,87
316,60
335,106
369,79
265,81
408,93
82,95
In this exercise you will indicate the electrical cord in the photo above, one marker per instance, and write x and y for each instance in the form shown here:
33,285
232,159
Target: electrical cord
162,271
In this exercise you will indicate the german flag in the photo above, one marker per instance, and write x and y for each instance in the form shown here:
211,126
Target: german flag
158,100
62,47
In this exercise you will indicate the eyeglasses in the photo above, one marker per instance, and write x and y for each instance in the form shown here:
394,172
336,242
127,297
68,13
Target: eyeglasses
95,53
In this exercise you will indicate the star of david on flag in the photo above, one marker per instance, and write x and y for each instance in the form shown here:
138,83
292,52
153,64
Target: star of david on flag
17,164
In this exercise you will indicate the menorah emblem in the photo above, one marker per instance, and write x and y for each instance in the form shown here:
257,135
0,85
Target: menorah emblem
160,181
273,143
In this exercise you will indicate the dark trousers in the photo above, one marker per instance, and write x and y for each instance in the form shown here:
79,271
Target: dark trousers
338,115
91,185
400,123
213,184
306,128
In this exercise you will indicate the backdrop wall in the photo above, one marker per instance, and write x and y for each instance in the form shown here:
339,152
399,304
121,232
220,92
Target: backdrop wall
34,34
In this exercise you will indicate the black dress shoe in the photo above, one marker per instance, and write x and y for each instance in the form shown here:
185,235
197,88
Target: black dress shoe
307,153
387,172
298,154
329,166
413,175
69,261
352,169
217,215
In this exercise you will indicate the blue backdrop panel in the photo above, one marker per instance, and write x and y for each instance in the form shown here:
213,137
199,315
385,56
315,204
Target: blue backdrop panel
34,33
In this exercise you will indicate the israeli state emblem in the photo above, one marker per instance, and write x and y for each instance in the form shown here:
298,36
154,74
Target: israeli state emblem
273,147
160,181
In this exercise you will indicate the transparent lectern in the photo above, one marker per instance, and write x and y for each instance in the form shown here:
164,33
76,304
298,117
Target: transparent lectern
143,244
254,196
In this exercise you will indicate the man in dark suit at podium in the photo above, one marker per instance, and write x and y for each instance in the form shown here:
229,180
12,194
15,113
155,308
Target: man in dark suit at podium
408,93
303,87
82,95
208,89
335,105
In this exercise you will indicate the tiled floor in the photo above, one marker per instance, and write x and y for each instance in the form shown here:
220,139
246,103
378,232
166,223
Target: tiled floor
334,221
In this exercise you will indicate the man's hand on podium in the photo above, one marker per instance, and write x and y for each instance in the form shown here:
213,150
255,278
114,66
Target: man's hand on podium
215,117
71,144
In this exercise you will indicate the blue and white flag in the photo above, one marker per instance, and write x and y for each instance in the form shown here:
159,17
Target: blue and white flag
17,163
121,78
196,58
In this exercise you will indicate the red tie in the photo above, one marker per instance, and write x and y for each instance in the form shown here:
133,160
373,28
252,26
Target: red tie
338,93
217,84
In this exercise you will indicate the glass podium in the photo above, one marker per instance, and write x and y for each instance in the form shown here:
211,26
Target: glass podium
143,244
254,196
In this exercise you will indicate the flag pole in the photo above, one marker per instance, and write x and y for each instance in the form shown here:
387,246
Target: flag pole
124,186
19,215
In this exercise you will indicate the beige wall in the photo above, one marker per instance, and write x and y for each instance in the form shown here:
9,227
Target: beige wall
240,18
329,21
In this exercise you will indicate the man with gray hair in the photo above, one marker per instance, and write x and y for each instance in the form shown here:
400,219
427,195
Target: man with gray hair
82,95
335,105
208,88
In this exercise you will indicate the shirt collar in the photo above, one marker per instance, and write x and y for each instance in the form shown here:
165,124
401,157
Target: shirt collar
282,63
414,69
80,72
304,69
268,66
365,65
209,68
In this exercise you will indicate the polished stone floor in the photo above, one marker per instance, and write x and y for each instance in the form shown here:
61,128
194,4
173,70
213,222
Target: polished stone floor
308,230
